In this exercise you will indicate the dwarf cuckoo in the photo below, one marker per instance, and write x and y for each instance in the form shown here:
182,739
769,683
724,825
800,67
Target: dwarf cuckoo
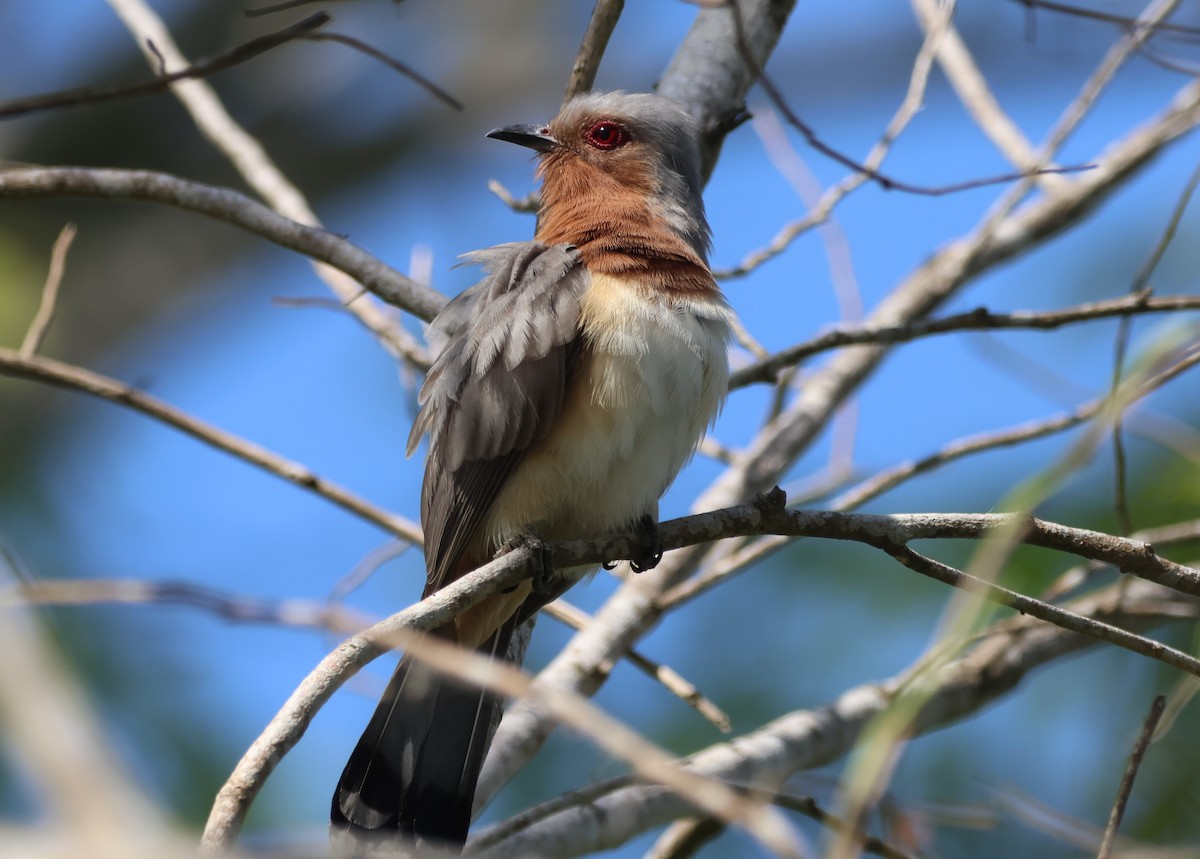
576,380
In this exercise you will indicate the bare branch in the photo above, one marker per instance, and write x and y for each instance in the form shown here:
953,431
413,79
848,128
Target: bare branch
286,728
874,175
45,312
1069,121
888,533
981,319
890,478
1121,347
282,6
392,63
1124,22
289,724
1126,788
671,680
1044,611
204,68
251,161
587,61
236,209
62,375
529,203
684,838
968,81
615,812
234,607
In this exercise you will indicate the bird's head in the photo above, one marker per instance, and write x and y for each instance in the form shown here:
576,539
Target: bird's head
614,152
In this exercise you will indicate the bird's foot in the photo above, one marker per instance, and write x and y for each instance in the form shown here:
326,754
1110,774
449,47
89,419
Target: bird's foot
647,550
540,559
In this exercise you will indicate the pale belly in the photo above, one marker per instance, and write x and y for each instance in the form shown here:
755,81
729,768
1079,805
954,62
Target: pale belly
653,380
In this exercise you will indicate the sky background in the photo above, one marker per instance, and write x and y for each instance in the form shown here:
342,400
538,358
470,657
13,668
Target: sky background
187,309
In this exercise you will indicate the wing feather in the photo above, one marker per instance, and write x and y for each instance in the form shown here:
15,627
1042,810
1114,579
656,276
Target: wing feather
512,344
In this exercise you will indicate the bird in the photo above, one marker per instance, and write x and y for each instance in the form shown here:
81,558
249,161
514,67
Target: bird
575,381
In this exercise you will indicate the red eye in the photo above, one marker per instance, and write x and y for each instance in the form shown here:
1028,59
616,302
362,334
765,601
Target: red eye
607,135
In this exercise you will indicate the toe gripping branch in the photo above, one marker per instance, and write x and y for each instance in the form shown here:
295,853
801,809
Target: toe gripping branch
541,558
647,550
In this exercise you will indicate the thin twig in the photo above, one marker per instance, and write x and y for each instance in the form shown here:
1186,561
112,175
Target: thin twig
890,534
368,272
63,375
980,319
971,86
647,760
587,61
234,607
253,163
821,209
366,568
1131,769
886,182
204,68
530,203
530,816
809,807
1124,22
1121,347
45,312
809,738
1082,104
892,477
1169,63
684,838
282,6
391,62
668,677
1044,611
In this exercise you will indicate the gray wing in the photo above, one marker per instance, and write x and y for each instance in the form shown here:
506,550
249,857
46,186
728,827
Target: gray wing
512,343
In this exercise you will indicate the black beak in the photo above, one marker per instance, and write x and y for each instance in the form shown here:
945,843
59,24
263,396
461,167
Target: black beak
534,136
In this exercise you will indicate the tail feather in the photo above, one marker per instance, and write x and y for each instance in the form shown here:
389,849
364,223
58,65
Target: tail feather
413,773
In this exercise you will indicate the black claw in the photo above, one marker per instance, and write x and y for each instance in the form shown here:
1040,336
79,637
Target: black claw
610,565
649,552
646,564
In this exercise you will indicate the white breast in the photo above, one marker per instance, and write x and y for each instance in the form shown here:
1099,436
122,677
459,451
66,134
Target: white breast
655,379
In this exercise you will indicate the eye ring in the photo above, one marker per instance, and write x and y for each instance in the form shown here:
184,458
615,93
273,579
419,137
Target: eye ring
606,135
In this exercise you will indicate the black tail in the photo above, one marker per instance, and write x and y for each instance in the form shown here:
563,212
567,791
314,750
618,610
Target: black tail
411,778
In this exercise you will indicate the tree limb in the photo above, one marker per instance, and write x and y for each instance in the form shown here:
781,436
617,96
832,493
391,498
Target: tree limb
806,739
233,208
768,515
